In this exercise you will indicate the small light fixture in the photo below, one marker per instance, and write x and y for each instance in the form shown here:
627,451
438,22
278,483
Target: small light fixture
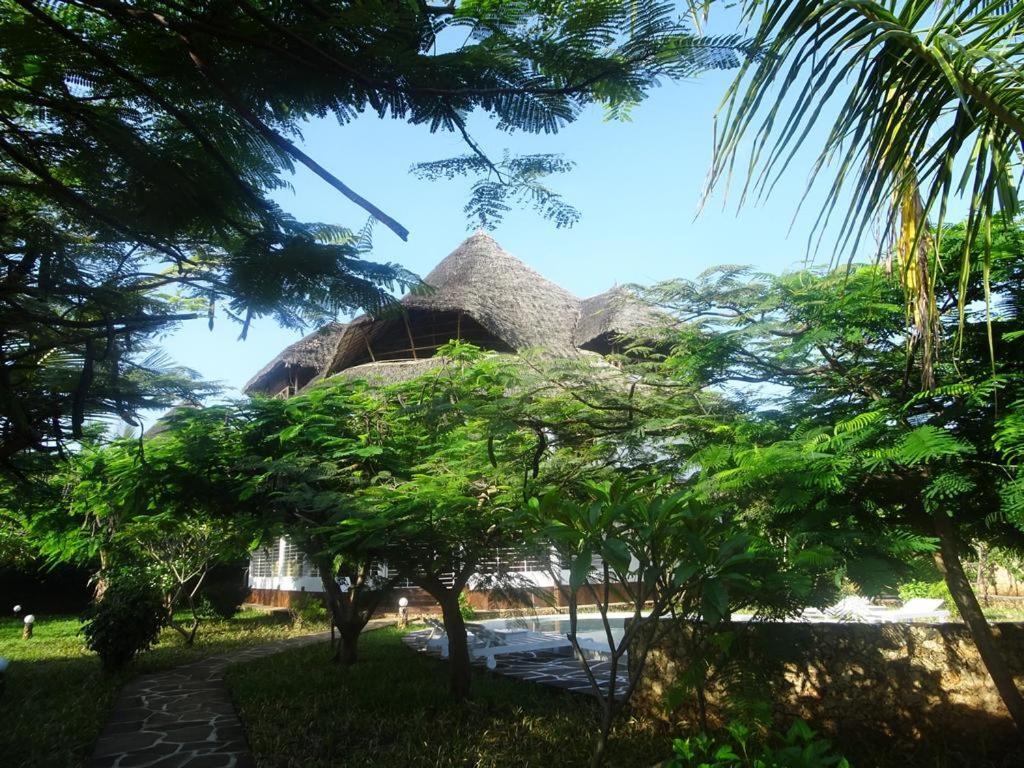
403,602
30,620
403,611
17,609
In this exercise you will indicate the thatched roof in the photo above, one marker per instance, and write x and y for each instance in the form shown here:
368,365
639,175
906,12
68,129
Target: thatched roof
478,293
313,351
615,312
517,305
390,371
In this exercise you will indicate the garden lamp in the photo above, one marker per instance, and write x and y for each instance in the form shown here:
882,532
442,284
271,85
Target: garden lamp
27,632
403,611
17,610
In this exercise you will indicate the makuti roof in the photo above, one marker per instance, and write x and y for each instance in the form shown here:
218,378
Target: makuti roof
510,300
314,351
617,311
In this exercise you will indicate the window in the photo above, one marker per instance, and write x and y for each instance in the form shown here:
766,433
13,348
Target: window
263,562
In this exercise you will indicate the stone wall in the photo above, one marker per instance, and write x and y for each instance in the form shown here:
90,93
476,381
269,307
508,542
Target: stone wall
890,683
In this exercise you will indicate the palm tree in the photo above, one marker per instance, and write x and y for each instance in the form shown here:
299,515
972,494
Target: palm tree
924,105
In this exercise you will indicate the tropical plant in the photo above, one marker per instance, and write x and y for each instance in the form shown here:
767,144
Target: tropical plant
126,621
798,747
304,460
921,103
663,553
846,441
164,506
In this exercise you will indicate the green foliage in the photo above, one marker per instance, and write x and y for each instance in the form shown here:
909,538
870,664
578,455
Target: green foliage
125,621
309,610
465,608
921,105
142,148
931,589
798,747
221,596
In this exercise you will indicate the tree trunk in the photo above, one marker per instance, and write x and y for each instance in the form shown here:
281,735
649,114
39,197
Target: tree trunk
600,752
348,645
948,561
458,644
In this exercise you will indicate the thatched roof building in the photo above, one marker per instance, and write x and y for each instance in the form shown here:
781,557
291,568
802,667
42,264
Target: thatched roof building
479,293
611,315
298,363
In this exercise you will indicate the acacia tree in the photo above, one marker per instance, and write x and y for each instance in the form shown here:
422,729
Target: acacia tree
850,441
140,143
166,504
446,481
304,461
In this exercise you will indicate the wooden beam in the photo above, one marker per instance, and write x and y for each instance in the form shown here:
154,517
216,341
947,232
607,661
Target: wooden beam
408,330
366,341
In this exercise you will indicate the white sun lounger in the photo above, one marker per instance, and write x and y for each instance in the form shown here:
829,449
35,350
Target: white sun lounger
488,644
921,608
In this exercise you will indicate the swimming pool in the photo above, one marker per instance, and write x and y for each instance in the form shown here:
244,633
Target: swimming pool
588,627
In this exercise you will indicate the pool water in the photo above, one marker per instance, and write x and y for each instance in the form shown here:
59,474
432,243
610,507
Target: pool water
588,627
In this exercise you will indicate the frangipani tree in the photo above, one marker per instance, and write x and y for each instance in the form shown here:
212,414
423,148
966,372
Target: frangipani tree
660,550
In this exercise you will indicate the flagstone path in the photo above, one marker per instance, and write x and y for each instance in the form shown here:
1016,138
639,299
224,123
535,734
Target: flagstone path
184,718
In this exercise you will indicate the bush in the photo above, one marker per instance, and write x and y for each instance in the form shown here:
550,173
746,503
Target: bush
799,747
309,609
465,608
127,620
222,593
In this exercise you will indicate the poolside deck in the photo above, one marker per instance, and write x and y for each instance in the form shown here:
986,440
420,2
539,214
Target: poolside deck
558,669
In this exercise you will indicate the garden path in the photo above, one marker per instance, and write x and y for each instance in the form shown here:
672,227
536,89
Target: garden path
184,718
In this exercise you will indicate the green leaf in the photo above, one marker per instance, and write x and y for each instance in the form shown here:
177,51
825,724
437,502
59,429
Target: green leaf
714,602
684,573
580,569
290,432
617,553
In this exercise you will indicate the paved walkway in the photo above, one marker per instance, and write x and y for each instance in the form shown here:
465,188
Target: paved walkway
184,717
560,670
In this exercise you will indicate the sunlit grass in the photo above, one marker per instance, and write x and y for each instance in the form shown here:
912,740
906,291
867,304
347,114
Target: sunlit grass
392,709
57,698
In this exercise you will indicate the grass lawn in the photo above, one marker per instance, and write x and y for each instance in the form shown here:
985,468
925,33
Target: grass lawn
392,709
57,698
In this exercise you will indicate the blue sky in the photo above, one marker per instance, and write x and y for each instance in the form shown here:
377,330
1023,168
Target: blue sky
638,185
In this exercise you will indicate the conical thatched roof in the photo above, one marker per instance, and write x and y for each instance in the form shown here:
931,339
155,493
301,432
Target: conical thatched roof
617,312
514,303
313,351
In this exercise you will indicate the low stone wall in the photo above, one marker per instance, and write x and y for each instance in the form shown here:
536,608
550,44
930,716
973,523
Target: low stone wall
883,682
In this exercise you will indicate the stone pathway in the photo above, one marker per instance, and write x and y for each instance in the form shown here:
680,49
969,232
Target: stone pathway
184,717
560,670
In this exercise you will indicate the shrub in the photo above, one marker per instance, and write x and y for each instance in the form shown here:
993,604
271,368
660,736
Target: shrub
465,608
798,747
309,609
126,620
222,594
